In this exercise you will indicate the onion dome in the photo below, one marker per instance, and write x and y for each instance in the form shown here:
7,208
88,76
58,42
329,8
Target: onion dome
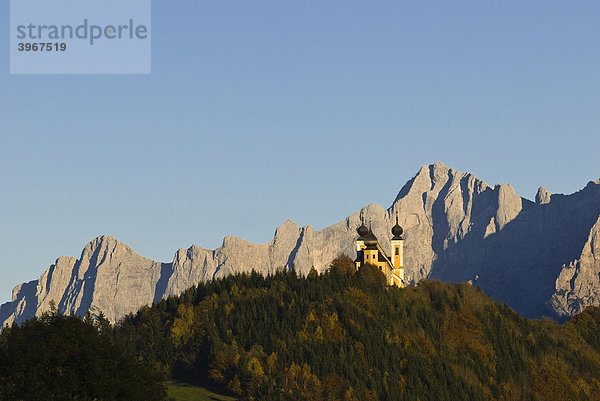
397,230
362,230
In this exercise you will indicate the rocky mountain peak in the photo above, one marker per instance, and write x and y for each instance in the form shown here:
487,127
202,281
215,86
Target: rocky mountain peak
509,205
104,243
543,196
287,229
434,178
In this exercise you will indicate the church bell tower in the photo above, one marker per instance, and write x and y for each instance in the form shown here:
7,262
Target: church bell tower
398,251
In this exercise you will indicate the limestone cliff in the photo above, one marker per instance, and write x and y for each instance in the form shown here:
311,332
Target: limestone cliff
109,277
578,284
540,258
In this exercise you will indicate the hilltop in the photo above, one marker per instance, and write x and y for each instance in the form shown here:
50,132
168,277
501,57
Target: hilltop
345,335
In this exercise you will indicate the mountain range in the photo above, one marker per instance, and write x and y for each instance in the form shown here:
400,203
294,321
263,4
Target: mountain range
542,258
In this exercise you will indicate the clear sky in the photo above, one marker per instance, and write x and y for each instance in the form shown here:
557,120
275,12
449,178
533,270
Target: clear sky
260,111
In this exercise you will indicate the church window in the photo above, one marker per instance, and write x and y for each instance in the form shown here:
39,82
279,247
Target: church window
397,251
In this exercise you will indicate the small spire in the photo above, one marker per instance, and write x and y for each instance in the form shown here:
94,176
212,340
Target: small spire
362,230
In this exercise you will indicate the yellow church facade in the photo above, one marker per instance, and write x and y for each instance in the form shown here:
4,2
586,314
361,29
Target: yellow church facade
368,251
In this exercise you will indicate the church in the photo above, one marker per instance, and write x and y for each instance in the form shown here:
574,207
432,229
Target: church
368,251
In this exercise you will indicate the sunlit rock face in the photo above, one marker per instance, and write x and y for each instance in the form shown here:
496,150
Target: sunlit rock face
578,284
542,258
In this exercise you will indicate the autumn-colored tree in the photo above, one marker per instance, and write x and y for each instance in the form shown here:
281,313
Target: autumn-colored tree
343,264
346,335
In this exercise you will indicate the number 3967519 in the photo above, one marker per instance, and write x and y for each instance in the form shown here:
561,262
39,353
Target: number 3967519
41,47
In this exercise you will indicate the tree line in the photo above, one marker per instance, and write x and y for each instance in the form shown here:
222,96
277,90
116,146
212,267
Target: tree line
340,335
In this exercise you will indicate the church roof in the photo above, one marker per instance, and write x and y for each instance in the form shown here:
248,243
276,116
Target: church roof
370,238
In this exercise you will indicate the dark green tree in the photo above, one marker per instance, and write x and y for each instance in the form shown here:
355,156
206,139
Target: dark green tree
56,357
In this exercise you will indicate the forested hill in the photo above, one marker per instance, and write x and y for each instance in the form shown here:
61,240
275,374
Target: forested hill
340,335
343,335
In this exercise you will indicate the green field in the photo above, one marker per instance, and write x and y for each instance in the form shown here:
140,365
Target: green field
187,392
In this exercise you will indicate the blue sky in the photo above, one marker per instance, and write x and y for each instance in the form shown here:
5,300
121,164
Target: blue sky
256,112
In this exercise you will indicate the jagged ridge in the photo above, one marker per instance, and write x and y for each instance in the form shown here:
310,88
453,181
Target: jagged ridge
540,258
